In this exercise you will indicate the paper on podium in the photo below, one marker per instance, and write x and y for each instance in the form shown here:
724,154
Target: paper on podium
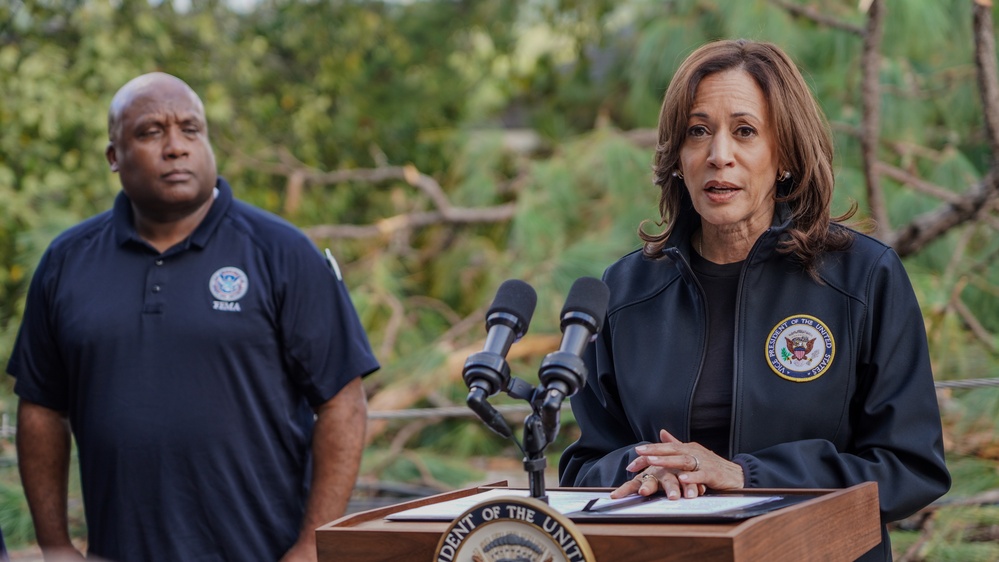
563,502
597,506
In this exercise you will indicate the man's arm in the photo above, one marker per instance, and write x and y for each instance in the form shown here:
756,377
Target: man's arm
43,449
337,443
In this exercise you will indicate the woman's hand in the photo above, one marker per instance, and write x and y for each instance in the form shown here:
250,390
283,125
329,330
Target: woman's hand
679,469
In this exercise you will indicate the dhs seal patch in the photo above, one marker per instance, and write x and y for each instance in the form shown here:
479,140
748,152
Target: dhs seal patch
228,285
512,529
800,348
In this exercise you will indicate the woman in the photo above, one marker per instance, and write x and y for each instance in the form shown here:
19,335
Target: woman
755,342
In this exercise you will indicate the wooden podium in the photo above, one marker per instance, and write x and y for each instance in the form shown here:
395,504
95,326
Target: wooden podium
834,525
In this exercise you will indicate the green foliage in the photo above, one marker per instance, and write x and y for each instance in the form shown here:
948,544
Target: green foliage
431,468
972,475
521,103
15,520
962,534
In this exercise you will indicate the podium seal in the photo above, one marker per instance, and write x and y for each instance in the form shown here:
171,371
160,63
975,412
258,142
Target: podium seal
512,528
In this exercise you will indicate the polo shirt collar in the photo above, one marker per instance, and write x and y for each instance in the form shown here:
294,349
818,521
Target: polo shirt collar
124,224
218,210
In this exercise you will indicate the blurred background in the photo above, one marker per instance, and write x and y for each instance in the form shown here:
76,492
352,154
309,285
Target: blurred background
440,147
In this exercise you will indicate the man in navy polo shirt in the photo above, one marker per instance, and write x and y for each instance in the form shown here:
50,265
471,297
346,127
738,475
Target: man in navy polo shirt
204,355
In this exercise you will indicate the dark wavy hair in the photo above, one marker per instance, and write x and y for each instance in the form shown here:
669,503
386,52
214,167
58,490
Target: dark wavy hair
804,146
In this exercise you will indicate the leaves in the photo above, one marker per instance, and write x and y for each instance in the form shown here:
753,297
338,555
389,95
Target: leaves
534,105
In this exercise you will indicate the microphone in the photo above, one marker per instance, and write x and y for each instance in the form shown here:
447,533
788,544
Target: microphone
563,372
487,372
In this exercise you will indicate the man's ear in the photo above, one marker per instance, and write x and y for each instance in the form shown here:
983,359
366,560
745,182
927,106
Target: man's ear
112,156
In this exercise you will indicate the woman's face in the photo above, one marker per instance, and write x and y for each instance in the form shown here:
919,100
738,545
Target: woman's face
729,157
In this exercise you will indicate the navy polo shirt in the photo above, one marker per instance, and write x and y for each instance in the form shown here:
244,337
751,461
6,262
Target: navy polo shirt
188,377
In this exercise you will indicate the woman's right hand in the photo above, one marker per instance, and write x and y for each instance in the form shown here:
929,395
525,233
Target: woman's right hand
679,469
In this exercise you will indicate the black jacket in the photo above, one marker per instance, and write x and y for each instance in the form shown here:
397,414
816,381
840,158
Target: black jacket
859,405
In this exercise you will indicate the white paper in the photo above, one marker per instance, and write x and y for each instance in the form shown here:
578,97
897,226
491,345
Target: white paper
567,502
701,505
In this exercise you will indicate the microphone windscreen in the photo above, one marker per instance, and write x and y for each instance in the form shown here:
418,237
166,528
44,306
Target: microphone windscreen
517,298
590,296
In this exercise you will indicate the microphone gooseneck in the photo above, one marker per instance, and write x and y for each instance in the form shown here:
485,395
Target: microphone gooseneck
487,372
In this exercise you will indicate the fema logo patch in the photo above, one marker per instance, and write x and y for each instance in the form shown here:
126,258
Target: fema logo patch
228,285
800,348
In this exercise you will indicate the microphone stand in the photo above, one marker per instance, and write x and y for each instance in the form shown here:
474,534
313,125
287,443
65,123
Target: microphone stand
536,438
562,373
535,442
542,425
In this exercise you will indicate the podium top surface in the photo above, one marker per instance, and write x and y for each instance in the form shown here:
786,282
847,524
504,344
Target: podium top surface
582,505
827,524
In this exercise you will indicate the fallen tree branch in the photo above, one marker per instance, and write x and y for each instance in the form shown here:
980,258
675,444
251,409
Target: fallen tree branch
871,119
931,225
983,195
924,520
405,392
409,221
975,325
917,183
926,525
818,17
300,174
985,64
970,320
988,497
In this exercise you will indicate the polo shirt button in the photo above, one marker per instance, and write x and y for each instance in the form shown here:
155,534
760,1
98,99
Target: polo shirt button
159,262
156,288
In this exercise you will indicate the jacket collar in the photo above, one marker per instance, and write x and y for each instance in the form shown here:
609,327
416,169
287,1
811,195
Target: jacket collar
689,221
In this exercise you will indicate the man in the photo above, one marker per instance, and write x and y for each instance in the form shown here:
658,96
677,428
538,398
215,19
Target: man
202,352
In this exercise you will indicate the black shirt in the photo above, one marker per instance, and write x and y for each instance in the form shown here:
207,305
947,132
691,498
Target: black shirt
711,417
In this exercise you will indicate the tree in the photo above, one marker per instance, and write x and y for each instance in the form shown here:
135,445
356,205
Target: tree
440,147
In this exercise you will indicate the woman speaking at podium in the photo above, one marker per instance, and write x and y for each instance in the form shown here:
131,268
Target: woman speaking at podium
756,341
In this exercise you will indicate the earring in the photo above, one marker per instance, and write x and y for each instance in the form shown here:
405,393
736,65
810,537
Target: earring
784,176
677,174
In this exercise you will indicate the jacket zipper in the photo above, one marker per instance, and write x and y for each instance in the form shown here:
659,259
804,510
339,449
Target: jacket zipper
687,273
737,369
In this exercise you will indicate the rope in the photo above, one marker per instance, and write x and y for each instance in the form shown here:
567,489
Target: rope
445,412
463,411
8,430
968,383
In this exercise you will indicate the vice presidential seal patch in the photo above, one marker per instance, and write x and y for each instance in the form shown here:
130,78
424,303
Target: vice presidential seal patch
228,285
512,529
800,348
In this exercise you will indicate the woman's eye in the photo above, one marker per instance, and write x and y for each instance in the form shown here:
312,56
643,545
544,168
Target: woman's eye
697,131
745,131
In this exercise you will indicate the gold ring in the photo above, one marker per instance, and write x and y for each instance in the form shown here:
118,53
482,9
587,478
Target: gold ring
697,464
646,476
